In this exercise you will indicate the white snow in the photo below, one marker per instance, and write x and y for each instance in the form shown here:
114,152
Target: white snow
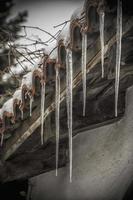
29,66
18,95
51,50
77,14
27,80
7,107
17,69
65,34
6,77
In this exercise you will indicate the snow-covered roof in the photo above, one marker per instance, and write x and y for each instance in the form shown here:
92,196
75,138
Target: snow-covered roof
5,77
18,95
51,50
28,78
65,34
7,107
77,14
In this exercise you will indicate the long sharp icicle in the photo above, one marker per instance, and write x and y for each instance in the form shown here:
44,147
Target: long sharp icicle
57,115
101,24
31,102
22,114
118,54
69,96
42,111
84,56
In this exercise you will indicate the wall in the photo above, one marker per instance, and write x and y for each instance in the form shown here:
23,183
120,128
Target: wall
102,164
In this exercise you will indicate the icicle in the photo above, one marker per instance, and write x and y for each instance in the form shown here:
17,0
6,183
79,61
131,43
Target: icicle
57,115
84,54
101,19
67,89
42,110
69,80
31,101
28,196
118,53
2,139
22,114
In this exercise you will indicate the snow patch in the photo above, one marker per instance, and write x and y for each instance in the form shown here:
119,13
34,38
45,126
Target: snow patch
51,50
77,14
7,107
18,95
65,34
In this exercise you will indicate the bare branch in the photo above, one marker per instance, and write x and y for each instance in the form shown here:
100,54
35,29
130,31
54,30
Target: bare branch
40,29
62,24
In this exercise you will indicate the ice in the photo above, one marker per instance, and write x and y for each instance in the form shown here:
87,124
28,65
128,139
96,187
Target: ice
42,111
118,53
22,114
57,115
101,19
31,102
84,54
69,91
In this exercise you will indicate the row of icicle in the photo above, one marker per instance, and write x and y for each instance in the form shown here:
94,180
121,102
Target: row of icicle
69,83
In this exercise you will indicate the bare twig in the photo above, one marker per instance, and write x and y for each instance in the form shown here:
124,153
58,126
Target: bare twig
62,23
40,29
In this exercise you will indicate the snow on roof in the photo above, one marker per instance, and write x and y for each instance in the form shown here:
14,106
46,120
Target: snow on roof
18,94
51,50
77,14
27,80
33,65
65,34
17,69
5,77
7,107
